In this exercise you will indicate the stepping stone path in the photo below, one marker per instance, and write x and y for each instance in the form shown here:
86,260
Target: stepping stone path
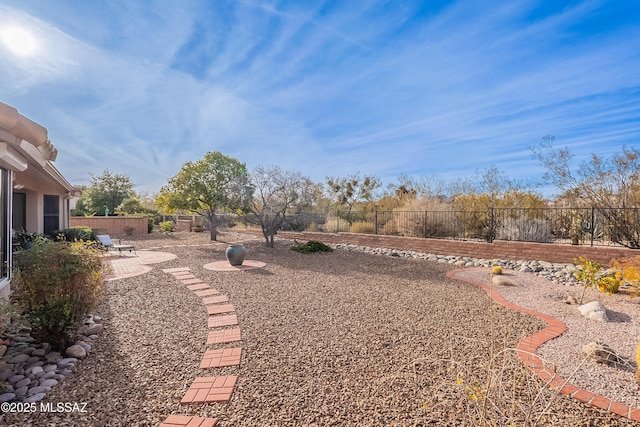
210,389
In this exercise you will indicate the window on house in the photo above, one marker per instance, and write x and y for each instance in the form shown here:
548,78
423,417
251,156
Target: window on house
51,213
19,213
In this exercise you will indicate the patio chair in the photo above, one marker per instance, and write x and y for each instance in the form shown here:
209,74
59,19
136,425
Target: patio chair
106,242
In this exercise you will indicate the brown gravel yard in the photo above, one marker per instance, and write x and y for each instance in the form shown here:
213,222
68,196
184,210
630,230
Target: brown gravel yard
328,339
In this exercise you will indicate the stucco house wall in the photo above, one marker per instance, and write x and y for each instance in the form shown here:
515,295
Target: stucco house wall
34,196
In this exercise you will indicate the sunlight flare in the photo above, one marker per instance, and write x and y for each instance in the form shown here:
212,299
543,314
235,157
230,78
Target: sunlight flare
19,40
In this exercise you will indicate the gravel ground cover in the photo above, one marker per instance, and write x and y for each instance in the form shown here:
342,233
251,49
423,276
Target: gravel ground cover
341,338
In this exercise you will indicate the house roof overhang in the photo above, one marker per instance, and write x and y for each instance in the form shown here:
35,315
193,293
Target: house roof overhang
24,146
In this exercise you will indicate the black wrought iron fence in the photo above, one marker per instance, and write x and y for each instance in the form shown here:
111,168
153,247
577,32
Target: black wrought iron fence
577,226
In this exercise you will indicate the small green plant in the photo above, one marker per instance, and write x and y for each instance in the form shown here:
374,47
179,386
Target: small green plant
311,246
591,274
77,233
56,285
168,226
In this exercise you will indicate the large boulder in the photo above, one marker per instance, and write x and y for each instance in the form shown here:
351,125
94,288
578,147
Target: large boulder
594,310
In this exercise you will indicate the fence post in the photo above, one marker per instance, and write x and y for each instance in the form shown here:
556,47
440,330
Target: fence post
491,225
593,224
424,224
376,219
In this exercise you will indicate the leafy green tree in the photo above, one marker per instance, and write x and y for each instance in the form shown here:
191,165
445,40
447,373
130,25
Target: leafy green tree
210,185
275,192
108,191
352,189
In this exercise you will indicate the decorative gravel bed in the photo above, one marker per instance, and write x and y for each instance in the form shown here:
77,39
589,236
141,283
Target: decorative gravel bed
341,338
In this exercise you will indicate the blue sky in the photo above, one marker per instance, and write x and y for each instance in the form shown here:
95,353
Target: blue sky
328,88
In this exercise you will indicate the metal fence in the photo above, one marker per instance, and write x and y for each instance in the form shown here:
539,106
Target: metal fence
577,226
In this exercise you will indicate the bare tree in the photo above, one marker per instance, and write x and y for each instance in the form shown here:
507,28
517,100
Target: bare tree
275,192
352,189
601,183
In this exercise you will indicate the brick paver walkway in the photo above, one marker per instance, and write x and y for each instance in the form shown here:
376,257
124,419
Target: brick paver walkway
214,389
134,265
527,353
221,357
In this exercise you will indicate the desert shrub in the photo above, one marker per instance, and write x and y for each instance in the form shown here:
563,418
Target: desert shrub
628,272
335,225
311,246
77,233
168,226
525,229
496,269
591,274
57,284
362,227
422,217
149,225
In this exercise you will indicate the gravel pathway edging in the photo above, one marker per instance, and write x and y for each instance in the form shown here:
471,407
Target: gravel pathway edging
527,347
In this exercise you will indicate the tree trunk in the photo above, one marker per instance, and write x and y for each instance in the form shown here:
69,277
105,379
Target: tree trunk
213,229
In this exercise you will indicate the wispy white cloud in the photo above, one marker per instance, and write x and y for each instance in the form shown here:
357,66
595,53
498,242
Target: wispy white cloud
325,87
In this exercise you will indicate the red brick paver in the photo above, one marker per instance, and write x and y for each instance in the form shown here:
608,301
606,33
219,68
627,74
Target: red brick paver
528,346
207,292
215,299
175,270
226,320
210,389
221,357
219,309
224,336
187,421
191,281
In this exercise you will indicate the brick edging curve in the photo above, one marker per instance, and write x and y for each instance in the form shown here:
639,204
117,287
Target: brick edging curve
527,347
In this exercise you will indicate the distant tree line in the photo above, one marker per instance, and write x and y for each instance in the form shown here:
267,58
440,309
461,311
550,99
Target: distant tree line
266,195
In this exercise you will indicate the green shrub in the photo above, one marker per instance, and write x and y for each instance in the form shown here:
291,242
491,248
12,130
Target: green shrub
311,246
77,233
168,226
57,284
149,225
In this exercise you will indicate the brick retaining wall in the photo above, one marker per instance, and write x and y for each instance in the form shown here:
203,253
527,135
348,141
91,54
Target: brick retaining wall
500,249
114,225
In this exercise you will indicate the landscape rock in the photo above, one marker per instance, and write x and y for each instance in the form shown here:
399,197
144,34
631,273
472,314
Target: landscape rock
502,281
35,398
94,329
7,397
76,351
600,353
594,310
